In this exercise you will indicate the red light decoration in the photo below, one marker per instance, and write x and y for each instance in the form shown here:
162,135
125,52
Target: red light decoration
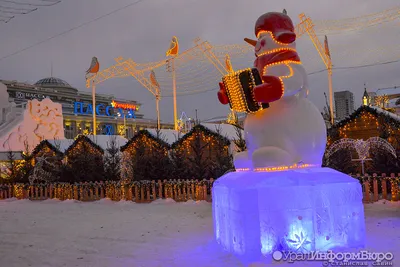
124,106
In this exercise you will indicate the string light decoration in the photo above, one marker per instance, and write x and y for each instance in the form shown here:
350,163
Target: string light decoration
9,8
364,123
185,123
197,69
239,87
40,170
353,24
143,139
150,141
83,143
361,147
46,148
184,144
367,25
232,118
382,101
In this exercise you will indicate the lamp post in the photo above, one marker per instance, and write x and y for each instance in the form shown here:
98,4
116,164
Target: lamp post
94,108
123,115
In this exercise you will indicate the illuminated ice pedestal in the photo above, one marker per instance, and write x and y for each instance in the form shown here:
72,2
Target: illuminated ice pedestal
316,209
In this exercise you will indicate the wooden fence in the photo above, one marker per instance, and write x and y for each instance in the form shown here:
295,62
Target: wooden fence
380,187
139,191
374,188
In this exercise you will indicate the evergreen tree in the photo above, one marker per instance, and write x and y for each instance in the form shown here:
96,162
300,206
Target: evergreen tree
179,162
26,167
11,170
383,128
112,160
341,161
159,161
85,164
139,162
199,163
383,161
240,142
223,159
179,165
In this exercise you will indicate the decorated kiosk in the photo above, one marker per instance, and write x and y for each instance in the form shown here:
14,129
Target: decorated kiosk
280,198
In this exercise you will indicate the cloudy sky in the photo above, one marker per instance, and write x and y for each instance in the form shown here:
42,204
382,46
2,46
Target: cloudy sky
143,31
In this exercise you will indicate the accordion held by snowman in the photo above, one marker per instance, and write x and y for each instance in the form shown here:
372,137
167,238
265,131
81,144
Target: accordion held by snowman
239,87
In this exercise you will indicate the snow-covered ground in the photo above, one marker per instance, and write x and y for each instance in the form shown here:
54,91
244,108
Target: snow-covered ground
162,233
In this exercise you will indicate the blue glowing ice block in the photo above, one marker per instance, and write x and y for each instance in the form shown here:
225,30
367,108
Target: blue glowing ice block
316,209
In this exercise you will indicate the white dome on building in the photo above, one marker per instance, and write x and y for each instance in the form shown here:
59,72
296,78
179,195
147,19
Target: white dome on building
56,83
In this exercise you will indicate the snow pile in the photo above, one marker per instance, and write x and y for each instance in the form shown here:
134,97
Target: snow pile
104,141
226,130
121,234
61,144
40,120
168,135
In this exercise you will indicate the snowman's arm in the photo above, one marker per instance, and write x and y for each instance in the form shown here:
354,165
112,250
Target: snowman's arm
295,81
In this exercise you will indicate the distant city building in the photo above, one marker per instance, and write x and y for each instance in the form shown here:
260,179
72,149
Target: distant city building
114,116
344,104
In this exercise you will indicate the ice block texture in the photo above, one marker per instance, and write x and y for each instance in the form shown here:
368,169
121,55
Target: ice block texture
257,213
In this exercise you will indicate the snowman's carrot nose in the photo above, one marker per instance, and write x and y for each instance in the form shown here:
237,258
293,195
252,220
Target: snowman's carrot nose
250,41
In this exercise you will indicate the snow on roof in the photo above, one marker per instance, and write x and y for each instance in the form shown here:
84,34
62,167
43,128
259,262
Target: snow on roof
392,103
169,136
61,144
390,114
104,140
227,130
388,91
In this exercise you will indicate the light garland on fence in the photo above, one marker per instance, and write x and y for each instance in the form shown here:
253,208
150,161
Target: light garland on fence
138,191
147,191
394,184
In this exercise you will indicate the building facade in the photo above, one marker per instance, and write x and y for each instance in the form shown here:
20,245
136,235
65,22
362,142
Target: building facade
344,104
113,116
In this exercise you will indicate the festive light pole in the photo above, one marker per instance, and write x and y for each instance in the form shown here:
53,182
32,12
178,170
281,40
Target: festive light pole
153,80
173,52
94,109
307,26
124,117
93,69
213,54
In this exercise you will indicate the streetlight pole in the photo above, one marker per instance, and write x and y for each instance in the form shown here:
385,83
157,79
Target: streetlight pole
124,117
94,107
124,125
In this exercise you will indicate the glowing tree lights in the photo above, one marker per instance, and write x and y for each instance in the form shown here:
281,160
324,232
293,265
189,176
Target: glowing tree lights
281,199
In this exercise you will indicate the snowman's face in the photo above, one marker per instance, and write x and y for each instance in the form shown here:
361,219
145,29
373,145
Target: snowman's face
267,43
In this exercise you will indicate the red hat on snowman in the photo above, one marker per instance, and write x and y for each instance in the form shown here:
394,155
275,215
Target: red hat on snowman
279,24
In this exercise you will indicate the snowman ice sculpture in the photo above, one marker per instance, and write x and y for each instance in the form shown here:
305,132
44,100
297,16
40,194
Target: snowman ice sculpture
291,130
280,198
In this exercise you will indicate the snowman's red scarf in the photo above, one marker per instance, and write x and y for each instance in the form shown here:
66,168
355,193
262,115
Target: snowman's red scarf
279,56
